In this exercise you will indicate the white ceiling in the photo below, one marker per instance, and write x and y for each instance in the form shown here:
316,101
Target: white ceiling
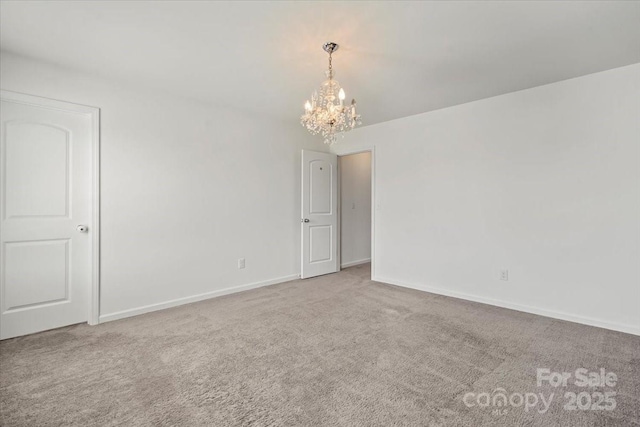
395,58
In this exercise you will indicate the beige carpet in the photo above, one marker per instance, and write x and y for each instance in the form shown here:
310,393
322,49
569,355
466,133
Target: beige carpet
337,350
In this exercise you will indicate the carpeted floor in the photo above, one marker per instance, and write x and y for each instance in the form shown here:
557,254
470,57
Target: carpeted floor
337,350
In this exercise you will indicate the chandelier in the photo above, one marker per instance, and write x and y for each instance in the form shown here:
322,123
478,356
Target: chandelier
326,113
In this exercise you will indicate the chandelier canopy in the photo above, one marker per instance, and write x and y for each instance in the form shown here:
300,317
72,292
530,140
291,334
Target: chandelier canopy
326,113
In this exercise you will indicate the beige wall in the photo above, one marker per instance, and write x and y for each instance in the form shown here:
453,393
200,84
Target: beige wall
544,182
187,189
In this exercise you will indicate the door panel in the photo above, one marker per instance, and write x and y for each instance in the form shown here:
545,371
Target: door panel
320,243
37,170
46,193
319,214
320,195
28,265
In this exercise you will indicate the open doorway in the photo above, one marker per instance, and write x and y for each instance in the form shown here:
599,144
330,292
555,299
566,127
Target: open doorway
355,174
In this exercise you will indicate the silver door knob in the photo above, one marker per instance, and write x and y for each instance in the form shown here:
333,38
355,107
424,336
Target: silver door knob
82,228
305,220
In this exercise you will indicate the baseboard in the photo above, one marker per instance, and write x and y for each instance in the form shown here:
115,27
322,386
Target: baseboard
629,329
195,298
353,263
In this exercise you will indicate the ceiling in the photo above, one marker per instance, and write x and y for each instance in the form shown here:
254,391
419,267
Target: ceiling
396,58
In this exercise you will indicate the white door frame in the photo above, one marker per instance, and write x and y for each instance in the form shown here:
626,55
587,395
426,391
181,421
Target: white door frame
94,114
348,152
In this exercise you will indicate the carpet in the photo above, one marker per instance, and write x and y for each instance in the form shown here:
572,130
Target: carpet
336,350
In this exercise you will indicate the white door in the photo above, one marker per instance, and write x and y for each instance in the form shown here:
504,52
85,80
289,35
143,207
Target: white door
46,195
319,213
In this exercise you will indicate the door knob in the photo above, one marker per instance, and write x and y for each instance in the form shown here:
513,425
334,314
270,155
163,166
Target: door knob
82,228
305,220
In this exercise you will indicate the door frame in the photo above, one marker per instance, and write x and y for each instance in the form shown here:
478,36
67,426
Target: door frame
94,114
348,152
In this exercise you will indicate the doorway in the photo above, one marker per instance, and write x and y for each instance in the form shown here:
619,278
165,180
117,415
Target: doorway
356,208
49,219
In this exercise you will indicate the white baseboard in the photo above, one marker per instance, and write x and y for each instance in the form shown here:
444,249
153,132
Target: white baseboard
352,263
629,329
195,298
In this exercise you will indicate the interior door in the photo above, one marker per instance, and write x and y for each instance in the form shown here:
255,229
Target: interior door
46,212
319,213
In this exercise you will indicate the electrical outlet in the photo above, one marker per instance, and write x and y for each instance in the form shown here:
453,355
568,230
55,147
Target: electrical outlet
504,275
241,263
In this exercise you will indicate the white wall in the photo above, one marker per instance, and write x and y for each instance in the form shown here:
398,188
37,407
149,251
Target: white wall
544,182
355,208
187,189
